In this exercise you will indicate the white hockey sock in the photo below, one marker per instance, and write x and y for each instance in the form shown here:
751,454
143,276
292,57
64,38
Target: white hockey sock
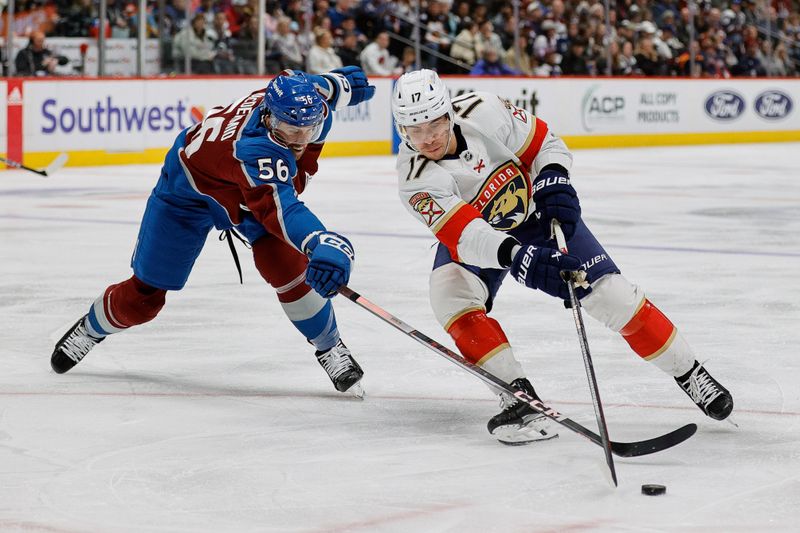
504,365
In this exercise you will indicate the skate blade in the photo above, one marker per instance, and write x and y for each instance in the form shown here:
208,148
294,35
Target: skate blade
518,436
356,390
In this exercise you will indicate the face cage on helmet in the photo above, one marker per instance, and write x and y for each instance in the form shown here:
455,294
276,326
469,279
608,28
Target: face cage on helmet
290,135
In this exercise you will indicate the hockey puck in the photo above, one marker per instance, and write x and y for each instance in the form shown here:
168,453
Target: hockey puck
654,490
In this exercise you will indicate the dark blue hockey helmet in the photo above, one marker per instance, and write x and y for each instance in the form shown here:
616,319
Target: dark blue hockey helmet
292,100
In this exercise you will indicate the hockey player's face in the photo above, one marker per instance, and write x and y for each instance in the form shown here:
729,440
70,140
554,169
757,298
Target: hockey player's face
431,138
295,137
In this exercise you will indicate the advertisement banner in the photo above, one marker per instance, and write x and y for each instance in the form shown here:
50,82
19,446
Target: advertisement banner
119,116
116,121
599,107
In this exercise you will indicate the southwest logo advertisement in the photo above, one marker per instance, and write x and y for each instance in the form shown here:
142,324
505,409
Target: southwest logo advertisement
197,113
724,105
773,105
106,115
504,197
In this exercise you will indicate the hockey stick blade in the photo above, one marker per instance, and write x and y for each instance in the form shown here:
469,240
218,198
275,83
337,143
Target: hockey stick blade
57,163
622,449
646,447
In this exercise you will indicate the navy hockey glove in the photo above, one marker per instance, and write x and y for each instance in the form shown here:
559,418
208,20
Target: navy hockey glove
331,258
351,87
540,268
556,199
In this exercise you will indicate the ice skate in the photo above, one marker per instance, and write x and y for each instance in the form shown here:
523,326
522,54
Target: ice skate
73,347
706,392
518,423
343,370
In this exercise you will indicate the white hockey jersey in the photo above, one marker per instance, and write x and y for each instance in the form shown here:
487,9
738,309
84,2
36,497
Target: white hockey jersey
471,199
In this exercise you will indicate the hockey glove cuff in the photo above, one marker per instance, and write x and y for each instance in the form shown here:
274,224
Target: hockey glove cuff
555,198
349,87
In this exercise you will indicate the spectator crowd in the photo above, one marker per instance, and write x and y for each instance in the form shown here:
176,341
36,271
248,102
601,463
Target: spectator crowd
718,39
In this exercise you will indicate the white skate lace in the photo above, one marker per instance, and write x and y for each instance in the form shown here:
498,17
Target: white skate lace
506,401
702,389
335,361
77,345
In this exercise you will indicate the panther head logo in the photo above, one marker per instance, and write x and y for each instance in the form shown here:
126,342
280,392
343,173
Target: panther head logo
509,207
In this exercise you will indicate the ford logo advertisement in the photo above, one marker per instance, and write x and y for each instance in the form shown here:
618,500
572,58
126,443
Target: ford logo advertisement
773,105
724,105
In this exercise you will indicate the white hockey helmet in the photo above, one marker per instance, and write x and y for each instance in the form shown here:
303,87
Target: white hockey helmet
419,96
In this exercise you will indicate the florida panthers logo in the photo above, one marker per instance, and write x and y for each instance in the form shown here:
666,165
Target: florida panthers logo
504,198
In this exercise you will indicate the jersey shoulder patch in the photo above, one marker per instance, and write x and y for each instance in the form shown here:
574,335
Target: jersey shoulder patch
516,112
427,207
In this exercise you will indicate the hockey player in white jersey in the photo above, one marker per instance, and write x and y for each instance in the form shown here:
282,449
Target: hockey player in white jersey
488,178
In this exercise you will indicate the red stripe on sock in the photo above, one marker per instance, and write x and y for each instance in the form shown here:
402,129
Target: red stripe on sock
648,331
476,335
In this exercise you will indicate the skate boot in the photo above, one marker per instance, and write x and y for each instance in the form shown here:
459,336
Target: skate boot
341,368
518,423
73,347
706,392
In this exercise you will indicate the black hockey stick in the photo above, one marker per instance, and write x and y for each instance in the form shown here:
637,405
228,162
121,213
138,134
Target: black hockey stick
575,304
622,449
57,163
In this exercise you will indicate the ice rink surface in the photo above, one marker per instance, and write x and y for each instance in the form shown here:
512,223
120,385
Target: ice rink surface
216,416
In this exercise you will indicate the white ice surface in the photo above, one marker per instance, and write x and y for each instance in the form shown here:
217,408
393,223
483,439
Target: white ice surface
216,417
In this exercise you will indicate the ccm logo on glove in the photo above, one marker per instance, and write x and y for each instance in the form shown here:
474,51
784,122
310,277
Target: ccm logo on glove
336,241
331,259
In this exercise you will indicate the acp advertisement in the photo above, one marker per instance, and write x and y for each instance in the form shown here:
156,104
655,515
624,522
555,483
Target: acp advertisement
646,109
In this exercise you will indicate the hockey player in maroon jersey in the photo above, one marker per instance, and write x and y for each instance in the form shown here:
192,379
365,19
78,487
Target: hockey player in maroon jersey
488,178
242,167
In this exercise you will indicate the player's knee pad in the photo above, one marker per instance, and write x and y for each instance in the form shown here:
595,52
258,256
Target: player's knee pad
455,290
613,301
127,304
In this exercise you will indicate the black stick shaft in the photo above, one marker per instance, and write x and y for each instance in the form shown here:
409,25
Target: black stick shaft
17,164
587,360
